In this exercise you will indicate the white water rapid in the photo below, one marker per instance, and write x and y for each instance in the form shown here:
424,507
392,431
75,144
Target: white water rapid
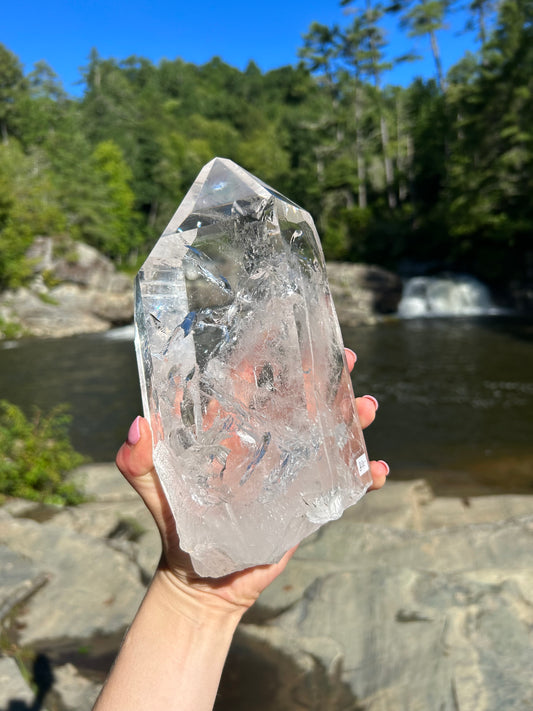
458,295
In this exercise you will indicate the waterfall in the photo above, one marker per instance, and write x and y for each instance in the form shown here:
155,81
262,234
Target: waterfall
457,295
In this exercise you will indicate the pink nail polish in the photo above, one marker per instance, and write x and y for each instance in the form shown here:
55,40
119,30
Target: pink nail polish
381,461
134,433
371,397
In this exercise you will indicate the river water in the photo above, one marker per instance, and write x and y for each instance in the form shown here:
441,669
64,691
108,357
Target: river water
456,396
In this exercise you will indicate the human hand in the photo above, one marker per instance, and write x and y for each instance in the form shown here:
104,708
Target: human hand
232,593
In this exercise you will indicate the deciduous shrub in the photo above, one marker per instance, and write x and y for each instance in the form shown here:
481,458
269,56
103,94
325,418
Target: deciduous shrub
36,455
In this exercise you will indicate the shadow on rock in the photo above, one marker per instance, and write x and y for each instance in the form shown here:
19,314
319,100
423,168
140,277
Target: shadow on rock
263,677
43,679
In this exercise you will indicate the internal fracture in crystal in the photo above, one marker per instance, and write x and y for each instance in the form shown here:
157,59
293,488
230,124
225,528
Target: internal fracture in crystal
244,381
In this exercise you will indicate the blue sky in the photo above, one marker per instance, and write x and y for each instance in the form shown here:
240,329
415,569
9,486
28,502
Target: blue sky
62,32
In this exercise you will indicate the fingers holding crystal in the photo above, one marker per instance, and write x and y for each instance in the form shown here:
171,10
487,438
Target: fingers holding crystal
367,406
379,471
351,358
134,458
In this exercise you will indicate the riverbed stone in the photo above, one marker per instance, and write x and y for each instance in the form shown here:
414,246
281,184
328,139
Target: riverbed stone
37,317
449,512
19,578
409,602
15,693
417,640
102,481
91,588
75,692
363,293
421,620
75,289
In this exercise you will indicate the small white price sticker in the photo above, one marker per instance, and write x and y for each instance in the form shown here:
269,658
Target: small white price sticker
362,464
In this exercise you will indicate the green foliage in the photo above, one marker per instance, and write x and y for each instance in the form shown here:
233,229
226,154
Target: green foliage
10,330
120,233
439,171
36,455
491,161
12,88
27,208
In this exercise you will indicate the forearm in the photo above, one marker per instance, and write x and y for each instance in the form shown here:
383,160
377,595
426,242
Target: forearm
172,656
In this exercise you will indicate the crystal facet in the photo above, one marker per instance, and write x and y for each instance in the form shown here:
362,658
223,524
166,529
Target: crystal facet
256,438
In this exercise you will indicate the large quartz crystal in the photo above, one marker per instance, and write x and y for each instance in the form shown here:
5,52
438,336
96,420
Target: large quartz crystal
256,438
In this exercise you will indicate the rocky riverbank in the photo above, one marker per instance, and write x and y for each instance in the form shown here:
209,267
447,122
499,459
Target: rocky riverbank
408,602
75,289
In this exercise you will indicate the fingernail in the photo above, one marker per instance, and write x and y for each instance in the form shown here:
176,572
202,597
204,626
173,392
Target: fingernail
351,358
381,461
134,432
373,399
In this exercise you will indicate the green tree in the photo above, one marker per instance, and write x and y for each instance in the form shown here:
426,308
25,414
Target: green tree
491,166
121,233
12,88
482,12
425,18
28,207
42,107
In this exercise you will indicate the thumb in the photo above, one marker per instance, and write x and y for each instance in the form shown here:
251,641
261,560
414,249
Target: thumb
134,460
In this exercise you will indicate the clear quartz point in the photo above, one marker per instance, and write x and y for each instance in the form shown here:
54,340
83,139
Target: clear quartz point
256,438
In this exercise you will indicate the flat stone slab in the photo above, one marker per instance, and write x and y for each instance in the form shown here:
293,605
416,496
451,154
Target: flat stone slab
92,587
448,512
76,692
409,639
19,578
14,690
343,546
103,482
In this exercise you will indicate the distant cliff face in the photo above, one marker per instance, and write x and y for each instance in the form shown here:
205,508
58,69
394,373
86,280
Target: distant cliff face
75,289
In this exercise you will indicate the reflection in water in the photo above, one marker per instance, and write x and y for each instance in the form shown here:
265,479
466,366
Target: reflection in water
96,375
456,395
456,400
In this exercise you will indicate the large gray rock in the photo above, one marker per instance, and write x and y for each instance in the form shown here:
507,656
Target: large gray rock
92,587
404,620
75,290
406,639
19,579
362,293
102,482
116,512
67,261
409,602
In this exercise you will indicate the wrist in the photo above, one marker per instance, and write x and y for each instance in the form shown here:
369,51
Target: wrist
173,654
197,601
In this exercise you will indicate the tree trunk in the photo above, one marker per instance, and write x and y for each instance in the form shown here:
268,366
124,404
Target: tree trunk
154,209
401,162
359,155
387,162
438,64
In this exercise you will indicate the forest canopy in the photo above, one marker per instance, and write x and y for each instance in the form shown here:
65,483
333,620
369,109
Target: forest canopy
435,175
